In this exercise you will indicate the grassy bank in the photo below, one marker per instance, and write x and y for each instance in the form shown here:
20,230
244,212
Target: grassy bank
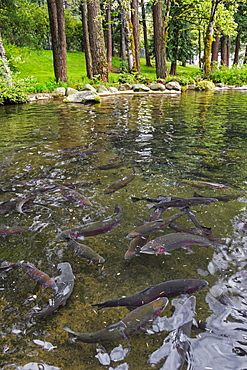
39,63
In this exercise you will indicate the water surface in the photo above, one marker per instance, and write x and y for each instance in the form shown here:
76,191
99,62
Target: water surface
164,139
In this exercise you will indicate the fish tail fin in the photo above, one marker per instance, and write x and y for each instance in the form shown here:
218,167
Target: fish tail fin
150,205
99,305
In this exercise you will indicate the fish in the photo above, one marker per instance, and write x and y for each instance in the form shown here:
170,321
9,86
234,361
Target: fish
193,218
183,202
119,184
133,322
169,289
149,227
169,242
20,203
204,184
222,197
97,227
32,271
134,246
83,250
196,231
75,196
6,230
159,198
65,286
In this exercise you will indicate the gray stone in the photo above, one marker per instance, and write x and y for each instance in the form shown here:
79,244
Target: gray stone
88,87
191,86
71,91
59,92
125,87
113,89
83,97
173,85
140,87
102,89
219,84
157,87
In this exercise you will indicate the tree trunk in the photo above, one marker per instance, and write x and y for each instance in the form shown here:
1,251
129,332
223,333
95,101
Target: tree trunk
237,48
135,24
224,53
57,26
89,66
245,55
129,37
5,71
215,49
97,43
209,38
144,27
109,36
123,36
159,40
173,69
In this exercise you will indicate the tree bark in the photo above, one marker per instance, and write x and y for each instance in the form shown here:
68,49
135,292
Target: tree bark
109,36
209,38
215,49
123,37
57,26
88,57
237,48
97,43
145,36
4,64
159,40
224,52
135,24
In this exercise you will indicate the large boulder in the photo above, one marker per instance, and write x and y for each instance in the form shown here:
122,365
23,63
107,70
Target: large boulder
71,91
140,87
125,87
173,85
157,87
113,89
83,97
59,92
102,89
88,87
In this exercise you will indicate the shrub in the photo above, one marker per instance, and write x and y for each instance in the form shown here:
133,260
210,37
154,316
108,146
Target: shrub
204,85
233,76
14,92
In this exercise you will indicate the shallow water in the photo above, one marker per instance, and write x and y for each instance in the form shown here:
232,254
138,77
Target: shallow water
164,140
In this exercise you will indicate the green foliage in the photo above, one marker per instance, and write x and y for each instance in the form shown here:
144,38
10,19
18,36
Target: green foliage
182,80
204,85
233,76
14,92
134,77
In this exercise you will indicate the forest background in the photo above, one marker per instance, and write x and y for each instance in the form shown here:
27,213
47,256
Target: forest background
44,44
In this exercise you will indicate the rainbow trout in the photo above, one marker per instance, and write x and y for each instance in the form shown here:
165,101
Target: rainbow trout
32,271
65,286
169,289
74,195
134,321
134,246
169,242
95,228
147,228
82,250
119,184
182,202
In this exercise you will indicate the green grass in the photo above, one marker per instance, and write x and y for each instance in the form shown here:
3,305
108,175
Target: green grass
39,63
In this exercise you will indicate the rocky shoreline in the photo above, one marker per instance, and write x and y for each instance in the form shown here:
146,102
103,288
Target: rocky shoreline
89,94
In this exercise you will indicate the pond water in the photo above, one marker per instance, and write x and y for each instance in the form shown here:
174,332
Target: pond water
168,142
